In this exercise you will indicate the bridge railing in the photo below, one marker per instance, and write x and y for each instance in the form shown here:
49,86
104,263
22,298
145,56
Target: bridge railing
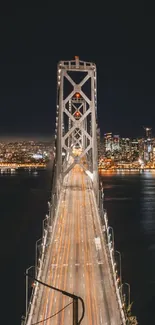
38,269
110,253
44,243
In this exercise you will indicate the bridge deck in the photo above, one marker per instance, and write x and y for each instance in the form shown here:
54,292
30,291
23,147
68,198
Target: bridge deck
75,262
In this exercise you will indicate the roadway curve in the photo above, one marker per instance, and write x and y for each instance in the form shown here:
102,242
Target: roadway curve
74,262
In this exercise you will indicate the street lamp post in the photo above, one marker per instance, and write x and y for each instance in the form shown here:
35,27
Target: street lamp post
105,218
45,221
112,231
120,270
49,207
128,285
101,198
74,297
36,257
27,271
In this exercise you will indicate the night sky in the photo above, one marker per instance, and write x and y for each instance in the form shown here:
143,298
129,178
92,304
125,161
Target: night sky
34,40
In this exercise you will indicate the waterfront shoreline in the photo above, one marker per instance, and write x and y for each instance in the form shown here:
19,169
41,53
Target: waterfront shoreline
126,169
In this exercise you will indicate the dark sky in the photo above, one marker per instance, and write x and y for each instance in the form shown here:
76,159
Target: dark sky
122,45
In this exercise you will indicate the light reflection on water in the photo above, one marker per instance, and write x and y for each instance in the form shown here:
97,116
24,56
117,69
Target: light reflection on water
130,202
148,204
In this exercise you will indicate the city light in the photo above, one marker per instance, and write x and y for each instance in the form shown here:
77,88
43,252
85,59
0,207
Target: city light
116,153
77,95
25,154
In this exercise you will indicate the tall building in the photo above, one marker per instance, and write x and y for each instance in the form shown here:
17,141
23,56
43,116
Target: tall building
148,145
153,153
116,143
147,132
141,149
108,142
125,145
134,149
111,146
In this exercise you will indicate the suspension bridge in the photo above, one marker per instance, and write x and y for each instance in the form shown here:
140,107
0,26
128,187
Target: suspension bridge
76,249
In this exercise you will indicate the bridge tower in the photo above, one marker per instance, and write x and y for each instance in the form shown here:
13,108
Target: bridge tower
76,119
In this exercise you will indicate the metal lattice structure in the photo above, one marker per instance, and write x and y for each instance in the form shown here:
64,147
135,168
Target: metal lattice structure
76,120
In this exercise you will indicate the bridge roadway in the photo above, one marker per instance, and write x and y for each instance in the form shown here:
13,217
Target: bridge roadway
75,264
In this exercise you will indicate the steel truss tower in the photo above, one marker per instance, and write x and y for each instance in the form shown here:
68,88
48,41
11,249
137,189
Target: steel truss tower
76,119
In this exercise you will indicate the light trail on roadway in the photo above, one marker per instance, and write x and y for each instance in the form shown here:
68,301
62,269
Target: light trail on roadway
75,263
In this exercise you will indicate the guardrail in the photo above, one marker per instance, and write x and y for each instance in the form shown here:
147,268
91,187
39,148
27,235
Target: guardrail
110,254
40,260
48,223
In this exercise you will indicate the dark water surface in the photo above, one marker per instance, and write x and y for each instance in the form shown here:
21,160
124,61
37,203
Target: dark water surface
23,205
130,202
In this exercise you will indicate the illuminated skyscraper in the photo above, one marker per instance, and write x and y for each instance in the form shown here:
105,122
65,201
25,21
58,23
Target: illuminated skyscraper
148,145
134,153
147,132
108,141
116,143
125,148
